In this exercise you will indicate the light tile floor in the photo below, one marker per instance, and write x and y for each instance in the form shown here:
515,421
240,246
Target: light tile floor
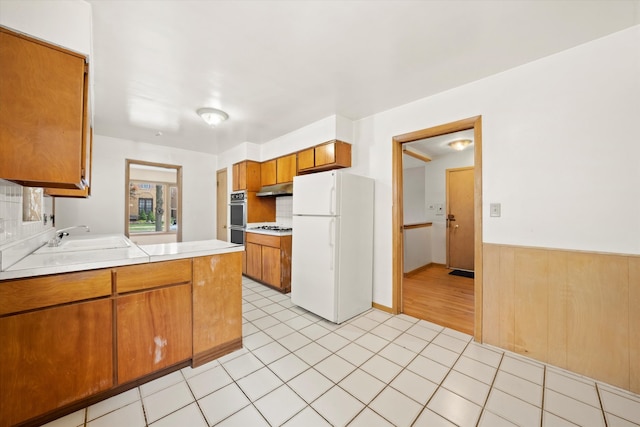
375,370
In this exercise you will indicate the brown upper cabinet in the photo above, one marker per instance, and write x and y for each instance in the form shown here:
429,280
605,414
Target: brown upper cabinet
278,171
246,176
330,155
44,114
268,172
287,168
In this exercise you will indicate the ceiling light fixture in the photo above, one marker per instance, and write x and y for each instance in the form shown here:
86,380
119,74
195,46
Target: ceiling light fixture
459,144
212,116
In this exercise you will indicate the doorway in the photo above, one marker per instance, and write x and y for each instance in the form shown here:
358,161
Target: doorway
221,205
398,232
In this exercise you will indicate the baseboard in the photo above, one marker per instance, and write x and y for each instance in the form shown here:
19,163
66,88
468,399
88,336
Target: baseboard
416,270
216,352
382,307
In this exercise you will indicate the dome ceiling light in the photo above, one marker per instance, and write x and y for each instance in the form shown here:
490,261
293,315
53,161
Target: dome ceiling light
212,116
459,144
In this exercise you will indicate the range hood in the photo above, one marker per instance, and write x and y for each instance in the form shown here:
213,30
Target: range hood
276,190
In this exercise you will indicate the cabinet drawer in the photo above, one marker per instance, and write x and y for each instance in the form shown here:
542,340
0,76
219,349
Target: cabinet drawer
152,275
27,294
263,239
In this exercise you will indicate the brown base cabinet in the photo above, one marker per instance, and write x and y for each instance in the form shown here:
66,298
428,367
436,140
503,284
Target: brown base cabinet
69,340
269,260
153,330
217,306
52,357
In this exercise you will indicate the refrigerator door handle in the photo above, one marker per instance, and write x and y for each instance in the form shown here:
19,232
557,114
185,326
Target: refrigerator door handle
331,242
332,198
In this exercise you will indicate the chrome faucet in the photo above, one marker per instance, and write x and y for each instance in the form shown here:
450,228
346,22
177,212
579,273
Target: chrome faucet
55,241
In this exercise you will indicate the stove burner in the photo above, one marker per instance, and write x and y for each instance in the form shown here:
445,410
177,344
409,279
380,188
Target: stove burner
272,228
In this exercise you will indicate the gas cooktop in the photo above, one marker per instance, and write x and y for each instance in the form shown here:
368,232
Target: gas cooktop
271,228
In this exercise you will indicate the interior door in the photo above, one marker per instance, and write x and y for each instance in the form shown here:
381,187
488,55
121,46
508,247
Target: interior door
221,208
460,218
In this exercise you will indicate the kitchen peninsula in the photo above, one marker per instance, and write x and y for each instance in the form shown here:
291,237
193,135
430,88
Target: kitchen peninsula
79,326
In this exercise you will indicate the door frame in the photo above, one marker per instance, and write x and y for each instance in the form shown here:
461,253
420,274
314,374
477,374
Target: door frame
219,173
397,262
448,210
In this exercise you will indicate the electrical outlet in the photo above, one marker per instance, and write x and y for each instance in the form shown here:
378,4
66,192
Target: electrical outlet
494,209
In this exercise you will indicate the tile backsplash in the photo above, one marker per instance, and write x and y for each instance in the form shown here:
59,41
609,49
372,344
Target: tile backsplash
12,228
284,210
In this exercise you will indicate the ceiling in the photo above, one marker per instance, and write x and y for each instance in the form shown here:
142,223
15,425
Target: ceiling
434,148
276,66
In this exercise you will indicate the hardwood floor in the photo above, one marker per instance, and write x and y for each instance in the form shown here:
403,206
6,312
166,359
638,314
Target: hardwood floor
434,295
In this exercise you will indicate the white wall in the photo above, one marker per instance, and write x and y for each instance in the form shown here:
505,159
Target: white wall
559,151
103,212
413,190
417,248
65,23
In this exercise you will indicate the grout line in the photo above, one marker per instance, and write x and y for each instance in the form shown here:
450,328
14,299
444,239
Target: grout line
604,415
544,388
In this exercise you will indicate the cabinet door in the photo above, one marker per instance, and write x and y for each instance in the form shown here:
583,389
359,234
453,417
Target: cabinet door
286,168
217,305
325,154
306,159
153,330
271,266
268,172
43,109
242,176
235,170
254,260
53,357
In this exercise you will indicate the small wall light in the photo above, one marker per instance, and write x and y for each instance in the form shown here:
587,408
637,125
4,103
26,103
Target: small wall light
212,116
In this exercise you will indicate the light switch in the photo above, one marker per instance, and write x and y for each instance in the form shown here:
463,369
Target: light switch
494,209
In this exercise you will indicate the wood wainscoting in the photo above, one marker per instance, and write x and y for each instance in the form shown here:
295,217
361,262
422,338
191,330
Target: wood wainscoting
572,309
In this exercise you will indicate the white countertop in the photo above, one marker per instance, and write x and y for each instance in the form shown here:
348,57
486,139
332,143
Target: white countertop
169,251
69,261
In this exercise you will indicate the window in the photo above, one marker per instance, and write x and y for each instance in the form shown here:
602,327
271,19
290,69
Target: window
153,202
145,207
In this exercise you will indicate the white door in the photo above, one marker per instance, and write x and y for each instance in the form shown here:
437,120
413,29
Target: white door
313,265
315,194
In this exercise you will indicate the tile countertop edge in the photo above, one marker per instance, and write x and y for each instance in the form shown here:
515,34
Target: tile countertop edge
269,232
147,253
171,251
70,268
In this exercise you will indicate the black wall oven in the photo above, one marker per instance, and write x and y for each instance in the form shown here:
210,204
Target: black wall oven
238,215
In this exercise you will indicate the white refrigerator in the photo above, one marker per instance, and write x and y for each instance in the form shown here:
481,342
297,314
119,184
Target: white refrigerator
332,244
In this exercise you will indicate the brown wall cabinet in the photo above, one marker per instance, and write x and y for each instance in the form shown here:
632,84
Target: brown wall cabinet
269,260
260,209
246,176
268,172
330,155
44,120
278,171
287,168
